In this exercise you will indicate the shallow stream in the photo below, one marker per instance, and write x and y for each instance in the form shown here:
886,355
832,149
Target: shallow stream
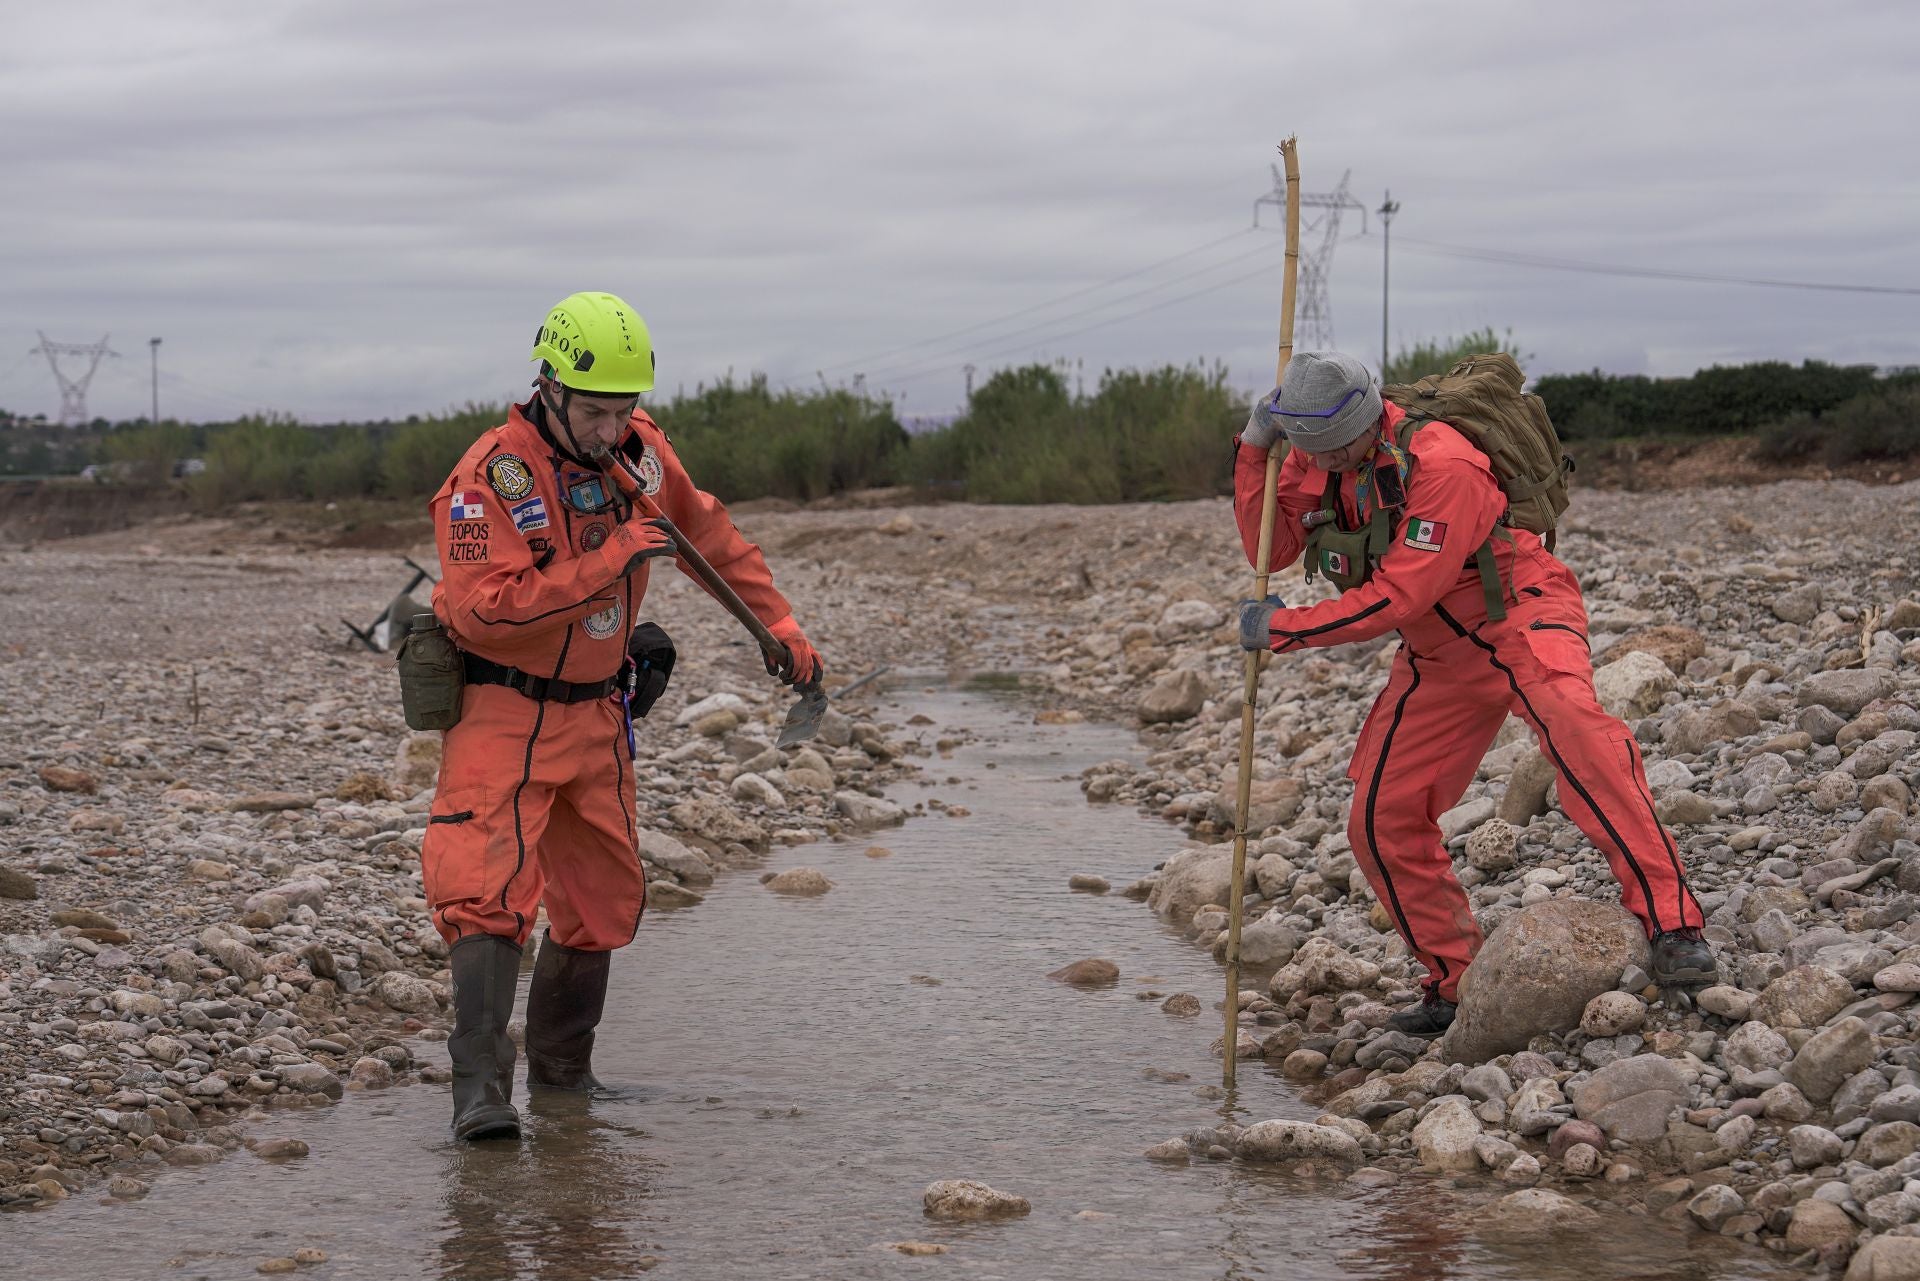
791,1074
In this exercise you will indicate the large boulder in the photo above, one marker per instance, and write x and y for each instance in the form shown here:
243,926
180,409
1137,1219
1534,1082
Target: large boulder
1174,696
1321,966
707,817
1672,645
1445,1137
1697,729
1631,1098
1829,1057
1846,692
1537,973
1193,878
1631,685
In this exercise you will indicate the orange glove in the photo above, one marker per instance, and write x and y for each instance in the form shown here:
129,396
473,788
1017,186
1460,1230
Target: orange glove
635,540
803,666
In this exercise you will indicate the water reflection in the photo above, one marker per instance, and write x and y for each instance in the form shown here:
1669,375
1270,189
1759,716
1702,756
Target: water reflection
566,1204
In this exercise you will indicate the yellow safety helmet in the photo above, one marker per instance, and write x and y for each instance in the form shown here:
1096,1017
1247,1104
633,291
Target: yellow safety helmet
597,344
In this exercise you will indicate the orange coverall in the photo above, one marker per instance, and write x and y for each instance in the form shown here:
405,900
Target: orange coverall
1454,679
536,798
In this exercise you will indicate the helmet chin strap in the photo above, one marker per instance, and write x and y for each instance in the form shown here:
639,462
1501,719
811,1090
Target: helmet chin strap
560,412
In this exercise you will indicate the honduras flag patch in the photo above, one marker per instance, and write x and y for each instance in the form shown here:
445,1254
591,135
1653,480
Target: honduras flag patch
466,507
529,515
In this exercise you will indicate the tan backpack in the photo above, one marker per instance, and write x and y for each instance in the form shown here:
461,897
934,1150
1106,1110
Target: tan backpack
1481,398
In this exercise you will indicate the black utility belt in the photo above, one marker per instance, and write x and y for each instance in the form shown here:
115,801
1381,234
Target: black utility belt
541,689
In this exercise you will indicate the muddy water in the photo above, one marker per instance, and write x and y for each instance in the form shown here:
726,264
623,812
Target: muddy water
790,1074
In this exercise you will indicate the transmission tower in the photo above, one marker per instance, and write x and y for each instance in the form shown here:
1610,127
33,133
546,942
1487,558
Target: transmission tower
73,391
1315,318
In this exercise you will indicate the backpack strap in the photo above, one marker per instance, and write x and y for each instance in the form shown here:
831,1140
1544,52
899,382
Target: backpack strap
1491,588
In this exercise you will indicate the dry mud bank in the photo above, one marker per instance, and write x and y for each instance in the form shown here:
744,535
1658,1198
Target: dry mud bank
258,939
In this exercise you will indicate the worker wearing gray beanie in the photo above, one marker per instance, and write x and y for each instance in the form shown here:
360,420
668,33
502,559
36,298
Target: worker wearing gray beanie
1327,401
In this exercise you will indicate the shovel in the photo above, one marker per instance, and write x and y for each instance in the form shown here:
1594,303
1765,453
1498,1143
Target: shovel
803,718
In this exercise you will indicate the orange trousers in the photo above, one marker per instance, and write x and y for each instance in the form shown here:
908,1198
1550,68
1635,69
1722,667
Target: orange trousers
535,800
1453,682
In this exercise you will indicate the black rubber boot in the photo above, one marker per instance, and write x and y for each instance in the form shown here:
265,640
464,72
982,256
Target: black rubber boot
564,1003
1681,958
1431,1017
485,968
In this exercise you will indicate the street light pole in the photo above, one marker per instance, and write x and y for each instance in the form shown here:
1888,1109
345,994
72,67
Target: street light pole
153,345
1388,208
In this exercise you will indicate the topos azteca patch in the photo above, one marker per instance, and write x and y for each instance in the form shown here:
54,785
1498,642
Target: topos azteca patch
510,477
592,537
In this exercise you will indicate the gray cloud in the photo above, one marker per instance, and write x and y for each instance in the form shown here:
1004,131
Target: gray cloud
352,209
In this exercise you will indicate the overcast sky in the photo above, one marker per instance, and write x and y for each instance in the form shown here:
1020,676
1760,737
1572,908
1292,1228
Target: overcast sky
351,210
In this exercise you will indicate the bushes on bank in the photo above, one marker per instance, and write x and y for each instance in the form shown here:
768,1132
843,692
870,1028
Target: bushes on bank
1878,425
743,440
1721,401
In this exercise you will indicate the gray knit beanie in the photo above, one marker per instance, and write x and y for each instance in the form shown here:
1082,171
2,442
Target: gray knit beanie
1327,401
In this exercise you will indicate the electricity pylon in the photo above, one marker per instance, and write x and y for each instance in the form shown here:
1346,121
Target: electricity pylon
1315,319
73,391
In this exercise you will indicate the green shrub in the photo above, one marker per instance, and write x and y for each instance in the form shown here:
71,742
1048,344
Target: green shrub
1437,356
1883,424
418,454
742,440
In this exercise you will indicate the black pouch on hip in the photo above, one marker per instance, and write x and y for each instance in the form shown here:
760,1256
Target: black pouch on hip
650,656
432,675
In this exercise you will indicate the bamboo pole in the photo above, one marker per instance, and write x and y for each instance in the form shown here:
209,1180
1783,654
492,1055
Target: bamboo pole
1269,505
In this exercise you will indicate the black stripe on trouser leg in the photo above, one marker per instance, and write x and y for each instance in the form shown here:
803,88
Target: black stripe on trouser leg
1373,797
633,837
1682,893
526,773
1560,763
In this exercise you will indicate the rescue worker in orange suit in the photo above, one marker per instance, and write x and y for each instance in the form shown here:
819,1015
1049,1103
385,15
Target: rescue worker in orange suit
1458,671
544,566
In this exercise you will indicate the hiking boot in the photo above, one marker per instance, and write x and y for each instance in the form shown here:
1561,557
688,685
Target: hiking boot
1431,1017
564,1003
1681,958
485,968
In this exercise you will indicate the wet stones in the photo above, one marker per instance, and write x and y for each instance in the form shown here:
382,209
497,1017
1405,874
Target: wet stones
1087,883
968,1200
1280,1141
799,881
1182,1005
1534,1214
1320,966
1093,972
1445,1137
1537,973
1191,879
868,812
407,993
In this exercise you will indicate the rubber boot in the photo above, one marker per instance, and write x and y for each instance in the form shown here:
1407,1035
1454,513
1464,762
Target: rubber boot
485,968
564,1003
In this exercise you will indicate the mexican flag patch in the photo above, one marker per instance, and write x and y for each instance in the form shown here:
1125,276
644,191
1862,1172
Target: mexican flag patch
1426,535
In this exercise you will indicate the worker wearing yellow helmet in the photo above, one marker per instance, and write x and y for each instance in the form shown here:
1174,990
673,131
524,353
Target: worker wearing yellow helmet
544,564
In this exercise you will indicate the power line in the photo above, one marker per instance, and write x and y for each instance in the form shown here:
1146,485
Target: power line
1100,324
1264,249
1025,311
1510,259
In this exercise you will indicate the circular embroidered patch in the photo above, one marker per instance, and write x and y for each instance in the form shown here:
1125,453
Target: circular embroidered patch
605,623
592,536
651,472
510,476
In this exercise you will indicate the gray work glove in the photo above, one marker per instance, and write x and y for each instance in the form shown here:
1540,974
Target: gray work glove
1255,617
1262,427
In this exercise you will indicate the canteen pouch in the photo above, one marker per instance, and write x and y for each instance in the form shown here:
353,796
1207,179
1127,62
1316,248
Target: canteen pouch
650,656
432,675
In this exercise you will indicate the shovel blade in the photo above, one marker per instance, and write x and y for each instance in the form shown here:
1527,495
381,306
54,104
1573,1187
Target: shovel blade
804,717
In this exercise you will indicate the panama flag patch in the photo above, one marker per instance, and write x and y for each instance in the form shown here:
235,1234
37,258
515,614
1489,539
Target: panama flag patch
1426,535
466,507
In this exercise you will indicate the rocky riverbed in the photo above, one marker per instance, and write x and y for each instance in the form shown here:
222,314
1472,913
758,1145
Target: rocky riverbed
209,817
